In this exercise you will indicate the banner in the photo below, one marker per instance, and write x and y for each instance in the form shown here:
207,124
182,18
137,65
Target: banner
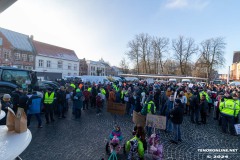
156,121
139,119
116,108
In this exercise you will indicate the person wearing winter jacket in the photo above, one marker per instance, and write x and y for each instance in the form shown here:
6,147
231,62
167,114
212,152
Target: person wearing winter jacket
116,132
34,103
166,112
203,109
6,102
134,147
99,103
61,102
155,151
194,107
177,118
77,102
188,95
183,99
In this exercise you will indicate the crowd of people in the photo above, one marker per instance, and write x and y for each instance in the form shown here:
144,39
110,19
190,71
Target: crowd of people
172,100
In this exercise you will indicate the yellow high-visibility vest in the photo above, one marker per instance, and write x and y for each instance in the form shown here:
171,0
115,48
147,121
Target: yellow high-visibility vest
49,99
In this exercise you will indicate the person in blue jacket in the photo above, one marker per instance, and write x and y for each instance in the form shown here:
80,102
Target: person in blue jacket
34,108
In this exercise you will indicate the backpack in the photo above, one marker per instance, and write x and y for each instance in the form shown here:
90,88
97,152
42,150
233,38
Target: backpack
133,153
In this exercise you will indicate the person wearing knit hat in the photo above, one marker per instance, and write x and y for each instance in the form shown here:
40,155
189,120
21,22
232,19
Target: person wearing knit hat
77,102
6,97
6,102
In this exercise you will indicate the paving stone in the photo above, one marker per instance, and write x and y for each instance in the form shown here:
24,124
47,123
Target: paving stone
85,139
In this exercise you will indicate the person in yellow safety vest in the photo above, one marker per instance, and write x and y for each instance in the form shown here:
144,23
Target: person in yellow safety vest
48,100
229,110
149,107
204,93
123,93
115,87
103,91
73,85
89,89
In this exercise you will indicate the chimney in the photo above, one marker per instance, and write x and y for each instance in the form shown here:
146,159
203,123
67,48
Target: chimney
31,37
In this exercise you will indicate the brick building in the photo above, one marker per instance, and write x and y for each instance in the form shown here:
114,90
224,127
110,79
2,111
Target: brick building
235,68
16,50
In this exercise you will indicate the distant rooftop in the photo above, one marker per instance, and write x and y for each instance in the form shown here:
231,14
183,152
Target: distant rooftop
18,40
4,4
236,57
48,50
95,62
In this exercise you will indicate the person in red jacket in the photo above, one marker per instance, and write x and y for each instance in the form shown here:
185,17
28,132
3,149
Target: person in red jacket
86,95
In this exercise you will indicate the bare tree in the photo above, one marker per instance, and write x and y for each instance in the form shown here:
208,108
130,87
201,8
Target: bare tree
144,42
170,66
134,54
124,66
160,46
183,49
213,51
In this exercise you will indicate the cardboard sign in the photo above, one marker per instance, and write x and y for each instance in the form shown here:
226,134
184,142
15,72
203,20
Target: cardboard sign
237,128
139,119
116,108
156,121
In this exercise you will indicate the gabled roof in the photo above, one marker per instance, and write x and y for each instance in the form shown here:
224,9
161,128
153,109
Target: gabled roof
18,41
44,49
4,4
95,62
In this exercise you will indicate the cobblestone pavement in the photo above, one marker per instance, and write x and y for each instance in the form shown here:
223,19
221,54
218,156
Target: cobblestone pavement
85,139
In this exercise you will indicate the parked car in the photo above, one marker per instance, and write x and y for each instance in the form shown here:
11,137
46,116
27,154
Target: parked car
44,85
6,88
234,84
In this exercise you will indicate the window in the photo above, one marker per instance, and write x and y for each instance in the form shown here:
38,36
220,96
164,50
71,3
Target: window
40,63
69,74
17,56
15,76
75,67
28,67
24,56
19,67
6,55
60,64
75,74
30,58
69,65
48,64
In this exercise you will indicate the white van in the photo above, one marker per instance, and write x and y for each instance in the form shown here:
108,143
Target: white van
186,81
172,80
95,79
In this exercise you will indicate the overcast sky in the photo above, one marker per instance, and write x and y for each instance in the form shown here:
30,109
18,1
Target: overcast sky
97,29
